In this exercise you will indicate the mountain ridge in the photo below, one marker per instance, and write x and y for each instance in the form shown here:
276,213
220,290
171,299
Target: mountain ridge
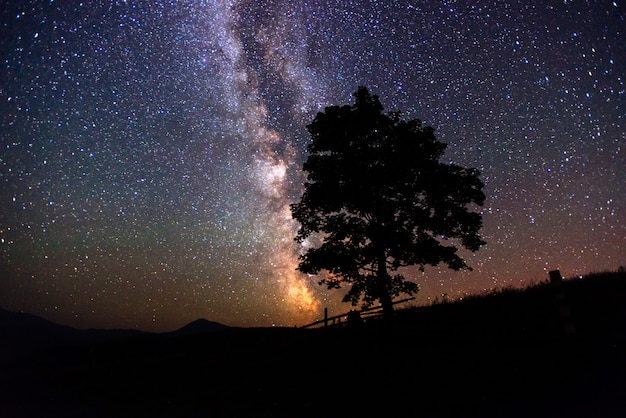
24,333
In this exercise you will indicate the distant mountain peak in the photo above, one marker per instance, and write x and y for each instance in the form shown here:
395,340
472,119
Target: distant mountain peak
199,326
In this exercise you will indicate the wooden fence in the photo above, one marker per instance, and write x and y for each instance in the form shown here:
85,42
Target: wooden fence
342,319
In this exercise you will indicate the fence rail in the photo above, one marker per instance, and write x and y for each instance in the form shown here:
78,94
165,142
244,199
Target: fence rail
369,313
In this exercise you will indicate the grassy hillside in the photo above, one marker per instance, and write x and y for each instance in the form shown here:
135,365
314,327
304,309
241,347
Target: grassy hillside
547,351
594,305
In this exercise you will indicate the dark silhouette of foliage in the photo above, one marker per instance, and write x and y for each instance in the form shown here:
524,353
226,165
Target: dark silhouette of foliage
378,199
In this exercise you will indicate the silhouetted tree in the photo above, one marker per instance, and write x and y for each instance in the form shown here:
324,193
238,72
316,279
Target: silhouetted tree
377,199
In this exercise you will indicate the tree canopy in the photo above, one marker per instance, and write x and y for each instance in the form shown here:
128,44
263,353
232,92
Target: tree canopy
377,199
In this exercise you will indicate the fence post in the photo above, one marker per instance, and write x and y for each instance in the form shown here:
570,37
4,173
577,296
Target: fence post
565,313
555,277
325,317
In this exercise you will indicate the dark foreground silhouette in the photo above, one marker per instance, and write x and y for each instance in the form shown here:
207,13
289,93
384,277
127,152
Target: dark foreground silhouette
549,351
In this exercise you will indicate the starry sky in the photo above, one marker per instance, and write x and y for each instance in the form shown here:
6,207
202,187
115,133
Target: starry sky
150,149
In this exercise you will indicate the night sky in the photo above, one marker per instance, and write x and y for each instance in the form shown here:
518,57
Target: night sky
150,149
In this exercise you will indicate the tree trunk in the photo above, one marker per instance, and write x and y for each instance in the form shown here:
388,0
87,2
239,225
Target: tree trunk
383,287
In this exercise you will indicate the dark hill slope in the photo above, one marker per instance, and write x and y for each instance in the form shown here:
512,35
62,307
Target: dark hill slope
24,334
506,355
593,306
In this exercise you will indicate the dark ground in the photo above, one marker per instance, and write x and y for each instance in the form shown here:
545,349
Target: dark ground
546,352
